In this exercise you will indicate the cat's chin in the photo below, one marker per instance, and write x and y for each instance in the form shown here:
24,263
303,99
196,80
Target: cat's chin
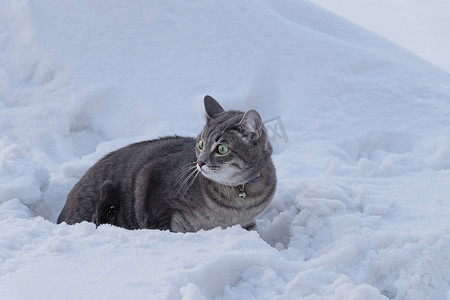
221,182
218,178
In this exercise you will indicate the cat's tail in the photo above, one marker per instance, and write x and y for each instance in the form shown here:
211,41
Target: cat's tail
108,205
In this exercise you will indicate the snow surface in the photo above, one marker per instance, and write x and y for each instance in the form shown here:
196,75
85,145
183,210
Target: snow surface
362,205
422,27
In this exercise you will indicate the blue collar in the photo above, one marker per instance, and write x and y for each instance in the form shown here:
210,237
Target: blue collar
242,193
251,180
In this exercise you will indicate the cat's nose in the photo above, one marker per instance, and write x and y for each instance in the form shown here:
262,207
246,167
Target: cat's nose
200,163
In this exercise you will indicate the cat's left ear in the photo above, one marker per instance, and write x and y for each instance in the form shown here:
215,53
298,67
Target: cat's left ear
252,125
212,107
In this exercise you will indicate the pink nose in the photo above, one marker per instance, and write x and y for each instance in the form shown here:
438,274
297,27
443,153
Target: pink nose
201,163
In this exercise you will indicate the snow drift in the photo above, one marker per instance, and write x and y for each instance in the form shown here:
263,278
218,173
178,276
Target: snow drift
362,205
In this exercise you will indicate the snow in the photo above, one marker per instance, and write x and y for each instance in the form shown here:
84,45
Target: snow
422,27
361,209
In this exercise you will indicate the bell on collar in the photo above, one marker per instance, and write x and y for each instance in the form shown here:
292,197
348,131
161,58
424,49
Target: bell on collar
242,193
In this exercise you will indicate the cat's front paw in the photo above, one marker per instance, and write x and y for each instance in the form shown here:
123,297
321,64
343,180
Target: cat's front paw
250,226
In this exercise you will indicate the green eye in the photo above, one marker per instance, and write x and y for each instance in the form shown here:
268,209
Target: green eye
222,149
200,144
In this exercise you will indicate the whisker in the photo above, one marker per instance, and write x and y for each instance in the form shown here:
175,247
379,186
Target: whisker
182,180
184,171
192,181
186,180
189,165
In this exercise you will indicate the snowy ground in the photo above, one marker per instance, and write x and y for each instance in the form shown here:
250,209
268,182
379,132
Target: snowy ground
361,210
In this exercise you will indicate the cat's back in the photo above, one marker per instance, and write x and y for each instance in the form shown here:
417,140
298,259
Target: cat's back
126,161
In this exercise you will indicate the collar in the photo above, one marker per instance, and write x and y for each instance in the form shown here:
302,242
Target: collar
241,187
251,180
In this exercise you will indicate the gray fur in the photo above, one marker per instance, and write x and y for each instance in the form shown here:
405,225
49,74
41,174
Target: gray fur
172,184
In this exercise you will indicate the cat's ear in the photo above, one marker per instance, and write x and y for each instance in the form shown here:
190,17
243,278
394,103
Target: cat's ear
251,124
212,107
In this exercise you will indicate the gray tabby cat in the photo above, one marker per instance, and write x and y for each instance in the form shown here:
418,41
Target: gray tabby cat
222,178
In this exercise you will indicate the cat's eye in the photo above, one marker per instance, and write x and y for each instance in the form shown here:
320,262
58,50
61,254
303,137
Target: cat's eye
222,149
200,144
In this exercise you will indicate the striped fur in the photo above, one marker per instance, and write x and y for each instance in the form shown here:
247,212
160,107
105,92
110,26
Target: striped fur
172,184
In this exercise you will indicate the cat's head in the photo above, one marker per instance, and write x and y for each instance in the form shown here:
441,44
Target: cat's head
233,147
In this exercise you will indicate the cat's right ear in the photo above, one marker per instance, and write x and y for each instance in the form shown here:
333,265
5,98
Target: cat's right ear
212,107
